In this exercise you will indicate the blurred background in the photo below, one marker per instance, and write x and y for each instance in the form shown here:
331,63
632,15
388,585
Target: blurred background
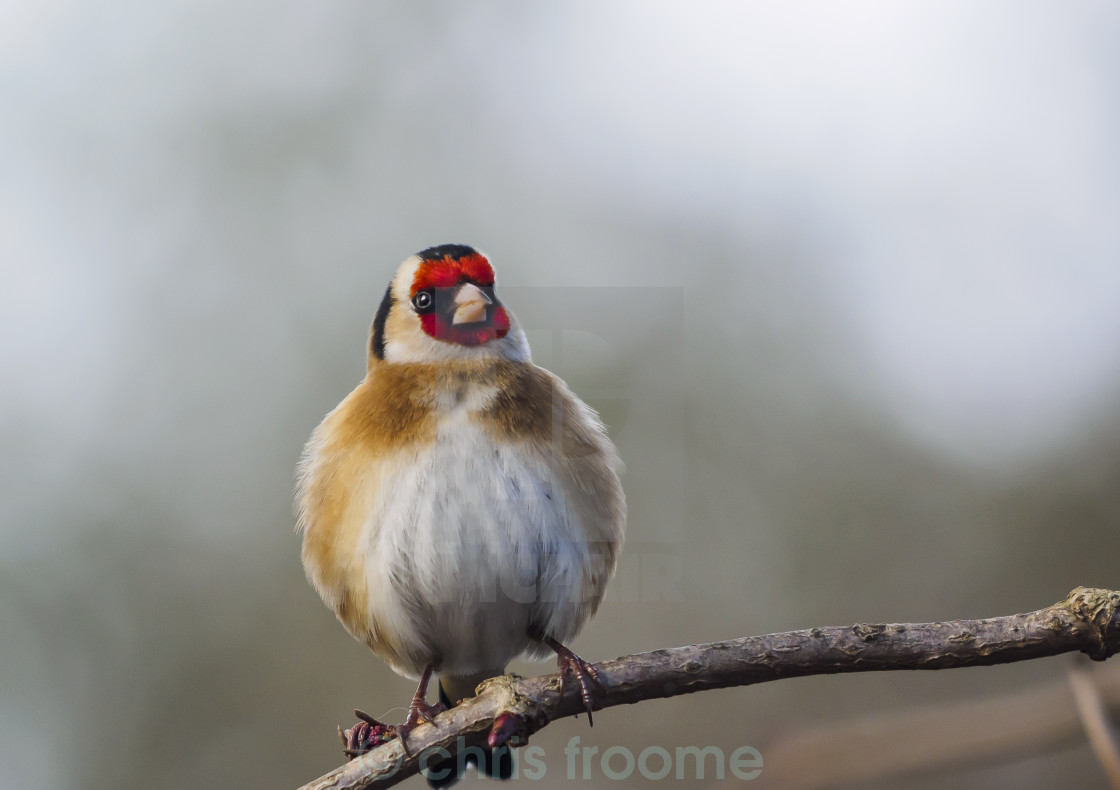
843,279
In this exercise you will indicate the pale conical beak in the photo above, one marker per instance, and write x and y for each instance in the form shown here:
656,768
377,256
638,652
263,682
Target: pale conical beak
470,305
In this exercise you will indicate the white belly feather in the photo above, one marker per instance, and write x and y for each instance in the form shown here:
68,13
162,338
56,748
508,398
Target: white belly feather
472,544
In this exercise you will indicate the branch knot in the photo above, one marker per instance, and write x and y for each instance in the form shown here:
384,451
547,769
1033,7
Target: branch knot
1098,612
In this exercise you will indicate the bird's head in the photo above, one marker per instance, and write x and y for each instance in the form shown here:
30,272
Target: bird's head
441,305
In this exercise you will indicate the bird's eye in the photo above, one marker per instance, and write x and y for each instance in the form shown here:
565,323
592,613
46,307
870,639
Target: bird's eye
422,301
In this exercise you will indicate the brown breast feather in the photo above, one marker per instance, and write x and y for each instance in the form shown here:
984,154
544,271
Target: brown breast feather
393,410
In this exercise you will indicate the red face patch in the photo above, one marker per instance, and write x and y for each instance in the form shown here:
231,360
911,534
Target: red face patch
441,278
449,272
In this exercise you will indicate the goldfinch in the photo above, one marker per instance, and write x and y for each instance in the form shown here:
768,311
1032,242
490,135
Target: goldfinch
461,507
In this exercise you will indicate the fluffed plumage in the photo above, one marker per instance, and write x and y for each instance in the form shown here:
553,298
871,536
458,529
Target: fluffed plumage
460,507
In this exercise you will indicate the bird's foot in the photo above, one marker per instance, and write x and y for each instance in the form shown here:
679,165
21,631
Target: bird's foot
419,710
366,735
585,674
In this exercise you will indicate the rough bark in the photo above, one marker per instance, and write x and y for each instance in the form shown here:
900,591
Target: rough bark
1088,620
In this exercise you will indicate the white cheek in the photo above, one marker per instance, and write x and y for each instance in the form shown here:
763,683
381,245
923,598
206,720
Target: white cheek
402,281
406,341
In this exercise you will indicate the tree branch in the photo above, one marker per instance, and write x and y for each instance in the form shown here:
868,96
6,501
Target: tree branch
1088,620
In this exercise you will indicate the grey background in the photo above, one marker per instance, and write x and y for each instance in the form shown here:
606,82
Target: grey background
843,278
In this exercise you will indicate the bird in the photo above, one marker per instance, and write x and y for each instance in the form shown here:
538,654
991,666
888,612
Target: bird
461,507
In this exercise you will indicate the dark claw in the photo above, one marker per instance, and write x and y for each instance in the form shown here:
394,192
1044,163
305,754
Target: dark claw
417,713
361,714
586,674
364,736
419,710
369,733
